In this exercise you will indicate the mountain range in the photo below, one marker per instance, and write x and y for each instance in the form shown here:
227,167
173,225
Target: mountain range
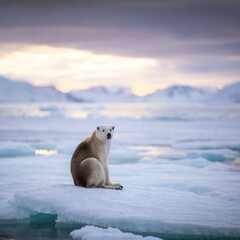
103,94
16,91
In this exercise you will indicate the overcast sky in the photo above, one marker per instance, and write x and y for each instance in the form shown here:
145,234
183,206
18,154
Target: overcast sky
141,44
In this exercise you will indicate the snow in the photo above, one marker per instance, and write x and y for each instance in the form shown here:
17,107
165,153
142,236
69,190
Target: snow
179,177
90,232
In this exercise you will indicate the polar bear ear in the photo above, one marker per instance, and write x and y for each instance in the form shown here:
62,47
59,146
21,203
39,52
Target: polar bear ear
98,128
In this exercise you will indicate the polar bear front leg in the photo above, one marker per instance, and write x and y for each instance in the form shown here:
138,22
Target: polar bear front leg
113,186
107,183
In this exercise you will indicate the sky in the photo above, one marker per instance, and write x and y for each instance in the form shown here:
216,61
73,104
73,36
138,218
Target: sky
144,45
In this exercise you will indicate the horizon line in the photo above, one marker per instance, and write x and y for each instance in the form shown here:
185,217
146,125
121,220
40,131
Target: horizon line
118,86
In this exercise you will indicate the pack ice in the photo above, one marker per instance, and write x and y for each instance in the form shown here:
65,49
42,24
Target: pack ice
179,176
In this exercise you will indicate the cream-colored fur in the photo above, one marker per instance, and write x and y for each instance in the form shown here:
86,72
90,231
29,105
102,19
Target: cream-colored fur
89,166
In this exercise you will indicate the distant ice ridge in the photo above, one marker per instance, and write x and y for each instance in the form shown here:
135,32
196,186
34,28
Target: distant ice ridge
91,232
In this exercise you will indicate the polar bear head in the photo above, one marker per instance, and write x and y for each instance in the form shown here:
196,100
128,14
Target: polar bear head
105,133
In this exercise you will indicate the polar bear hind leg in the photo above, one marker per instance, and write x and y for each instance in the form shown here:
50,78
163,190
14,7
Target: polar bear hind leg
92,173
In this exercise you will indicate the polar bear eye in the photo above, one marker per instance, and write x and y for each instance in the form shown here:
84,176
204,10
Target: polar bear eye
103,130
110,130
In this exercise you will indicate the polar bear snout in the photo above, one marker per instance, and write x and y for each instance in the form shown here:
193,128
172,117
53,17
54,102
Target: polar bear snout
109,136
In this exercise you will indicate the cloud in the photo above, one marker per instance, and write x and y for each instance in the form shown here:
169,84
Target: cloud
184,20
200,36
70,68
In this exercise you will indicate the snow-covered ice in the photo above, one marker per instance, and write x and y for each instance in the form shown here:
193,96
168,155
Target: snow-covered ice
90,232
179,177
192,196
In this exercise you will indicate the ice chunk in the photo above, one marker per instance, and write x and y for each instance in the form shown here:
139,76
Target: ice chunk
45,152
19,149
91,232
219,155
15,149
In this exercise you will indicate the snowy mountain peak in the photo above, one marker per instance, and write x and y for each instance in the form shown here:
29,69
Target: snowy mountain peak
17,91
111,94
180,93
183,90
97,90
121,91
229,94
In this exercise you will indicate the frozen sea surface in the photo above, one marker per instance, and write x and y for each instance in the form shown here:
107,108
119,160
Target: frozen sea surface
179,167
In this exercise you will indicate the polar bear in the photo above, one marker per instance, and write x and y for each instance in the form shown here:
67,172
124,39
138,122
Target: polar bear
89,166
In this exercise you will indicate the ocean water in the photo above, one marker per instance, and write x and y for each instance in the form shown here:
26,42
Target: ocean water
179,165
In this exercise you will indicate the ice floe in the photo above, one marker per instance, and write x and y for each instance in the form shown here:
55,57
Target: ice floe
168,197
